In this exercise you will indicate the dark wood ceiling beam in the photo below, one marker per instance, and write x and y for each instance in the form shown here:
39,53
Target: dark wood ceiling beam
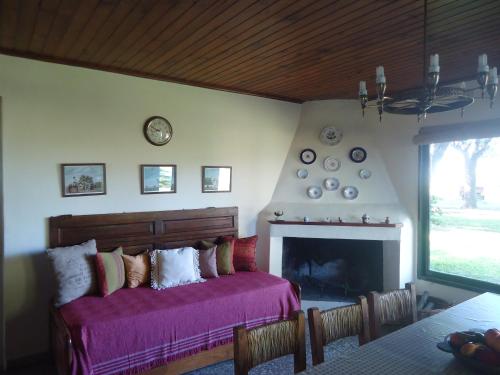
255,16
45,16
320,16
125,26
60,25
336,80
99,17
27,20
156,17
349,50
83,14
9,18
116,18
308,50
232,16
177,29
467,68
251,37
151,37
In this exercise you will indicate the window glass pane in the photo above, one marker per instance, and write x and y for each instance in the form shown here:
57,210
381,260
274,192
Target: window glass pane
464,192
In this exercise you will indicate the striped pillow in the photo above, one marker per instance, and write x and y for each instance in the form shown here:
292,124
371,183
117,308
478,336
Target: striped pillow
224,256
110,271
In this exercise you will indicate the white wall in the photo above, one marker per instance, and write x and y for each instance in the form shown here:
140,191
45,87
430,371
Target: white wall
55,114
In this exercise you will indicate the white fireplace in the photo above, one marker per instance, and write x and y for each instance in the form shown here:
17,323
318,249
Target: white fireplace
395,274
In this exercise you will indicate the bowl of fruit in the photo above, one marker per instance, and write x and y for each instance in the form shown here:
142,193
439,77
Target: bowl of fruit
477,350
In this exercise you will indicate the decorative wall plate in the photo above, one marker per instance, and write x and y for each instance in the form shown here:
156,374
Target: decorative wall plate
331,183
314,192
302,173
330,135
307,156
331,164
357,154
365,174
350,192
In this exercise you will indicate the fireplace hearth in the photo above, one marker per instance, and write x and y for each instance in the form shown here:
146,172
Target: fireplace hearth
333,269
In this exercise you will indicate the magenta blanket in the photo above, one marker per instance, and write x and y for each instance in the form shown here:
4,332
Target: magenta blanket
134,330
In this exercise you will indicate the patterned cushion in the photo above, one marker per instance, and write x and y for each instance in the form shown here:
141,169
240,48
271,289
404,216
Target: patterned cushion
208,263
244,254
137,269
110,271
74,271
225,252
174,267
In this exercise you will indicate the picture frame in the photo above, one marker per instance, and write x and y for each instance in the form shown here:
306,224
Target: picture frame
216,179
83,179
158,178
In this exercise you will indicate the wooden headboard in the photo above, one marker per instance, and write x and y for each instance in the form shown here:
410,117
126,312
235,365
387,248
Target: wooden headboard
138,231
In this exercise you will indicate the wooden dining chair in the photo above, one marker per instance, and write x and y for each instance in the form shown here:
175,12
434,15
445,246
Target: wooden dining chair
330,325
261,344
392,310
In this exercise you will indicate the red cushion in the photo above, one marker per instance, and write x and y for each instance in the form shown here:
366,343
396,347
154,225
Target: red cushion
244,254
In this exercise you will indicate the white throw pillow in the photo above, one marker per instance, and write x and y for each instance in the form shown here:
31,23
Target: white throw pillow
174,267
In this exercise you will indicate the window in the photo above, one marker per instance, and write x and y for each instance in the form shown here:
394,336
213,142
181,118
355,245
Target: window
459,228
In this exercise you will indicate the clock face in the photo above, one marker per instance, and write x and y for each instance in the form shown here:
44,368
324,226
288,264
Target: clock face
158,130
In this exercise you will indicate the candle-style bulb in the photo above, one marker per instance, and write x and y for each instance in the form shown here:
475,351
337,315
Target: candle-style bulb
434,64
362,88
482,63
380,74
493,76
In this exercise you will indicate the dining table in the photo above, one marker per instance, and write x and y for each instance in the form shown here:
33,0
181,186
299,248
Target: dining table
412,349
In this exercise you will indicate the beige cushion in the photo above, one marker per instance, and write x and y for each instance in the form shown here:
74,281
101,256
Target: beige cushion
74,271
136,269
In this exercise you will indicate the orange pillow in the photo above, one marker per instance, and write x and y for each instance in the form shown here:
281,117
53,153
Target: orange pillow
136,269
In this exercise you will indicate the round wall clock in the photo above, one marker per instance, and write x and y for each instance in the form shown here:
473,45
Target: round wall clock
357,154
157,130
307,156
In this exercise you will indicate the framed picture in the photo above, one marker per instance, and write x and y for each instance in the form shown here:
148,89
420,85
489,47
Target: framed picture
215,179
158,179
83,179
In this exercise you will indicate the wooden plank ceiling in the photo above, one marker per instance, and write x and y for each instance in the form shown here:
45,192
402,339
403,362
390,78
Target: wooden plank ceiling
287,49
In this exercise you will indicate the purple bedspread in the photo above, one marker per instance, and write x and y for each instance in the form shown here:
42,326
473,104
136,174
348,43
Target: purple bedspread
134,330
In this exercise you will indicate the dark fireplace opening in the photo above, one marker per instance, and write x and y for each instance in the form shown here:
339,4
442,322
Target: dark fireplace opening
333,269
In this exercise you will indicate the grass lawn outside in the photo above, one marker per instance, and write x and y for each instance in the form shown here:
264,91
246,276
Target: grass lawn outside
466,243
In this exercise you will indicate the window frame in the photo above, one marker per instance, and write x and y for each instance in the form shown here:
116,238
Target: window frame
423,260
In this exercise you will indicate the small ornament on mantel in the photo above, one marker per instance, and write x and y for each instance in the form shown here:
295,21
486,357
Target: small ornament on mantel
340,219
278,214
365,218
387,220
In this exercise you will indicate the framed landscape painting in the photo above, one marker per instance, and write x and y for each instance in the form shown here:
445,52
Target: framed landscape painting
158,178
83,179
216,179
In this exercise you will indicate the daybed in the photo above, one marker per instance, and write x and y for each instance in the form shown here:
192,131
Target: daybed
171,331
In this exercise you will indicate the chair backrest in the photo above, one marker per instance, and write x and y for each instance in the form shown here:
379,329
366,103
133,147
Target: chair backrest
393,307
333,324
261,344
